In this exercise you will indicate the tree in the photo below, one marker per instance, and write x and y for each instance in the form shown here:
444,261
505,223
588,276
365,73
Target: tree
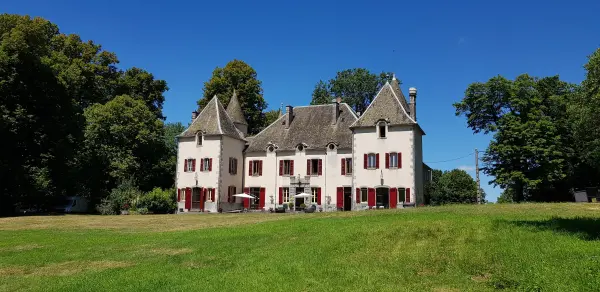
271,116
455,186
238,76
432,187
530,151
141,85
172,130
357,87
127,141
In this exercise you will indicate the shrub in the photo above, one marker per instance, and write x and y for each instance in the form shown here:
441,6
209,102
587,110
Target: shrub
159,201
142,211
123,197
106,207
303,206
285,206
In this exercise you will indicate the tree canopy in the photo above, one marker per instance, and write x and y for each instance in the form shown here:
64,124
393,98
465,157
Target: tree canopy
241,77
357,87
451,187
47,81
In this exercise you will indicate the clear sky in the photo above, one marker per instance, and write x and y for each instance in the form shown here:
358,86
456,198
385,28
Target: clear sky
440,47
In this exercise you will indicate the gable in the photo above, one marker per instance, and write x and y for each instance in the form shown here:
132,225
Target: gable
385,106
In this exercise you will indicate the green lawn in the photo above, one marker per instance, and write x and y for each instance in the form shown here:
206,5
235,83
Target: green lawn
528,247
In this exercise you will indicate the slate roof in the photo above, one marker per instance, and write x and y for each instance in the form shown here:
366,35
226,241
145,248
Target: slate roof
213,120
390,105
234,109
311,125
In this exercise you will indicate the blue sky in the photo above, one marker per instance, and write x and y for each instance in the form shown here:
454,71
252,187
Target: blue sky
440,47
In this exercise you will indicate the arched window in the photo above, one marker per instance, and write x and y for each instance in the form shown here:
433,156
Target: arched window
381,128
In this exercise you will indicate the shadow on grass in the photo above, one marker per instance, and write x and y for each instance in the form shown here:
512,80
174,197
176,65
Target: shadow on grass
582,227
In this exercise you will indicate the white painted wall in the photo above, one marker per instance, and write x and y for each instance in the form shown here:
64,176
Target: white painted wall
398,139
230,148
188,148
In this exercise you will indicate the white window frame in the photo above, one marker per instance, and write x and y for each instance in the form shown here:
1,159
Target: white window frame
393,158
189,163
364,194
209,193
205,164
285,195
314,192
381,125
255,166
371,157
287,167
401,196
349,166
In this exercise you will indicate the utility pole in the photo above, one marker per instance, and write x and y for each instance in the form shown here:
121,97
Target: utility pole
477,176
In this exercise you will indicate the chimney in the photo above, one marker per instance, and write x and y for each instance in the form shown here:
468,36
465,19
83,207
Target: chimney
194,115
336,110
412,92
289,110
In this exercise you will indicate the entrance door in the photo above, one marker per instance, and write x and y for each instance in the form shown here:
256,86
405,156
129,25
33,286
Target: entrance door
196,199
299,201
382,198
347,198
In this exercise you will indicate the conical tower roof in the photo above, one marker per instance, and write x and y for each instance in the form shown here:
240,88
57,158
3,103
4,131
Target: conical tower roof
234,109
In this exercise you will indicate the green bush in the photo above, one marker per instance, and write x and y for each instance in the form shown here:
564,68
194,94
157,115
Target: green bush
106,207
142,211
124,197
159,201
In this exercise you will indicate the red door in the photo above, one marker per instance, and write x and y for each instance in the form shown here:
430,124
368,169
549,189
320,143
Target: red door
188,198
340,197
393,198
371,198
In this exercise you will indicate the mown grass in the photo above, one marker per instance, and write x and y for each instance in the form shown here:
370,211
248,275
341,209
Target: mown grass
529,247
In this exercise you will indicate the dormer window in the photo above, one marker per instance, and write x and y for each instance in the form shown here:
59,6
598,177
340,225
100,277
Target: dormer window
331,146
271,149
300,148
382,130
199,139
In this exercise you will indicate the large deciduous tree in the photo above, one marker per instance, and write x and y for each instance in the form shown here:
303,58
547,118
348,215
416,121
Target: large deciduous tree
451,187
357,87
530,151
241,77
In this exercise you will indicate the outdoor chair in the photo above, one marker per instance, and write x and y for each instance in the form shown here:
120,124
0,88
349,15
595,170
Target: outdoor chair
311,209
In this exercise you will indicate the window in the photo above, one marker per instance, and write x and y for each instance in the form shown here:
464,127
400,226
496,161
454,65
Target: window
286,195
205,164
231,192
393,160
382,130
300,147
401,194
254,203
314,165
315,195
287,166
199,139
372,160
189,165
271,148
348,166
233,165
210,194
255,168
364,195
331,147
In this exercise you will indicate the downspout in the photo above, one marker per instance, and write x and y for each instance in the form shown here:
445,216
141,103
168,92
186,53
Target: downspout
276,190
220,178
176,174
353,202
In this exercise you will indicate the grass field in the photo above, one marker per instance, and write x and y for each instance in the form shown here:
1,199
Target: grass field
528,247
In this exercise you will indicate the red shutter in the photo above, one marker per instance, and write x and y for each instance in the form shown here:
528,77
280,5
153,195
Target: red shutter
371,198
377,160
201,164
291,167
318,196
387,160
307,166
178,195
393,198
320,166
343,166
280,167
340,197
407,195
228,195
193,164
261,202
246,200
188,198
365,164
260,167
357,195
399,160
210,164
280,195
250,168
214,194
185,165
